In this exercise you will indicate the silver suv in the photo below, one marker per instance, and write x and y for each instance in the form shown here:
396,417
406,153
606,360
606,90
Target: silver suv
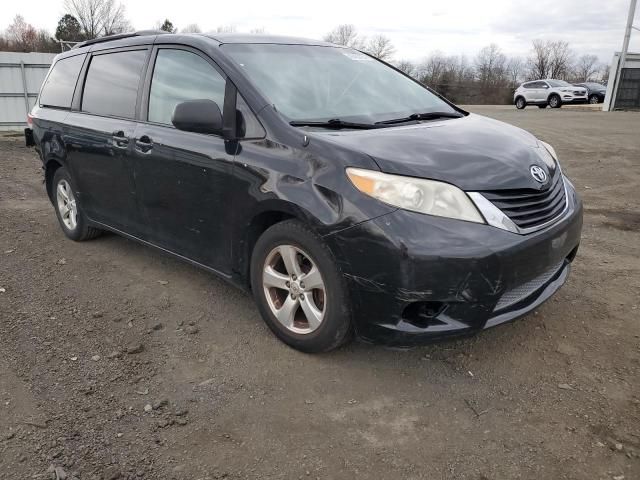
548,92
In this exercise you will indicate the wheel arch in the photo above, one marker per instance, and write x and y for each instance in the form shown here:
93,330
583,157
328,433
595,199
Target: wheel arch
50,169
249,232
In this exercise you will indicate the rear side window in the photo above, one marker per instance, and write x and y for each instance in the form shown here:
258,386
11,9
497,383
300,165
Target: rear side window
179,75
111,87
61,83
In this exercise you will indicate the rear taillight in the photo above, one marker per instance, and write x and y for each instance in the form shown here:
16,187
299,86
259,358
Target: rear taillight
29,120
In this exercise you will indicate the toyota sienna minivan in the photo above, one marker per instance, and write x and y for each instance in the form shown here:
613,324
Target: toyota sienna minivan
348,198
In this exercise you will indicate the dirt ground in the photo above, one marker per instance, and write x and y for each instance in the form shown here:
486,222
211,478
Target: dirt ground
119,362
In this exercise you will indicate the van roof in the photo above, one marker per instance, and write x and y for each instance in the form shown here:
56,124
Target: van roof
218,37
263,38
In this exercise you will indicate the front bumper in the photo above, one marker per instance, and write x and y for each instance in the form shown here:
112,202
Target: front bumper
574,99
414,278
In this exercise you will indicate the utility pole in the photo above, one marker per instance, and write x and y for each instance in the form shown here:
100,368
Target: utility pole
623,53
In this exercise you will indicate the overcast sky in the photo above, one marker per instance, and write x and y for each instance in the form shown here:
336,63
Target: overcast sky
416,28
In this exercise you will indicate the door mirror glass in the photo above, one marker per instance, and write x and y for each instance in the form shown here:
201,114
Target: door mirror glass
199,116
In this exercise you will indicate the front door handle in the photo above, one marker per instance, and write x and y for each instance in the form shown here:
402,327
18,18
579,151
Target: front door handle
144,144
120,140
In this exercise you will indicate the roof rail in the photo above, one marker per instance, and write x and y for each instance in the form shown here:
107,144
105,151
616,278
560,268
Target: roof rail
108,38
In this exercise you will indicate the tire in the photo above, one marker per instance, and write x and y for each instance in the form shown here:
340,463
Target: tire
521,103
68,210
555,101
330,306
593,99
544,105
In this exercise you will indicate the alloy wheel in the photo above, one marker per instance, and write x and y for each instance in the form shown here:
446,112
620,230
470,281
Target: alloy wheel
67,204
593,99
294,289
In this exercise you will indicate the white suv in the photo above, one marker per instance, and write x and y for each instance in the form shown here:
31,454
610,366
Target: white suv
548,92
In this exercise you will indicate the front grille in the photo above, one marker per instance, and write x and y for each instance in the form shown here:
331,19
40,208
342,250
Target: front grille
580,94
517,294
529,208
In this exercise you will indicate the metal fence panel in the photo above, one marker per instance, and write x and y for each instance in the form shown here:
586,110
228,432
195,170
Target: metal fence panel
629,90
17,70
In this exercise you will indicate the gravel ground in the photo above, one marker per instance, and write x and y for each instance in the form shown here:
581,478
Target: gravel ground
119,362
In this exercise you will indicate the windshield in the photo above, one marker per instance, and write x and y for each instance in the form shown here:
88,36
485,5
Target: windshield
314,83
558,83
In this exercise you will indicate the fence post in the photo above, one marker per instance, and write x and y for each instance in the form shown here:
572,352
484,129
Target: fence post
24,87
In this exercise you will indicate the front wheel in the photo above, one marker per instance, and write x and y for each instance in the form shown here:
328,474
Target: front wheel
554,101
593,99
299,289
520,103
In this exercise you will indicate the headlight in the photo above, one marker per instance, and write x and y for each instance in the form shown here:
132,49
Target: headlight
416,194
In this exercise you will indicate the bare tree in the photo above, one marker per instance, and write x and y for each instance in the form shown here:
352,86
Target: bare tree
98,17
380,47
22,35
586,67
490,65
225,29
114,19
515,70
550,59
540,60
604,73
432,68
560,59
191,28
345,34
407,66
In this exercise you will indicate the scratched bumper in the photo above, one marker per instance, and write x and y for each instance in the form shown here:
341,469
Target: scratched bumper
482,276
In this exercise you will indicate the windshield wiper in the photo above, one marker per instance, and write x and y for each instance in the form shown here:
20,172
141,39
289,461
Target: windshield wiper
335,123
421,116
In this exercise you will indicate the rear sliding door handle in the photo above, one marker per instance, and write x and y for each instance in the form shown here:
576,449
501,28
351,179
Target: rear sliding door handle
144,144
120,140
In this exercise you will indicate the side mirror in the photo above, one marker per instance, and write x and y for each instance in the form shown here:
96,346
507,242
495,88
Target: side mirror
199,116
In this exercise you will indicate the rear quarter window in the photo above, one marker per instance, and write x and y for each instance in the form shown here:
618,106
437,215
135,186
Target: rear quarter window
58,89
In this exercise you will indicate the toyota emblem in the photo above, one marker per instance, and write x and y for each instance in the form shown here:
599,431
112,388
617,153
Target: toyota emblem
538,174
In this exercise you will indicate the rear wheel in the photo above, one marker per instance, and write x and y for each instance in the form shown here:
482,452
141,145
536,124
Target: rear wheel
68,209
554,101
593,99
520,103
299,290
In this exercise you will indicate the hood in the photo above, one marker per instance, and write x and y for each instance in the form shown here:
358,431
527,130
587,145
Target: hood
473,152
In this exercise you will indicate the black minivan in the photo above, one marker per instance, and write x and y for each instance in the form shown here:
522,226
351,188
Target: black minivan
350,199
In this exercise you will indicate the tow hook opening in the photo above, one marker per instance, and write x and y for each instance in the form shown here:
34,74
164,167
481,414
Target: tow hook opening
423,314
